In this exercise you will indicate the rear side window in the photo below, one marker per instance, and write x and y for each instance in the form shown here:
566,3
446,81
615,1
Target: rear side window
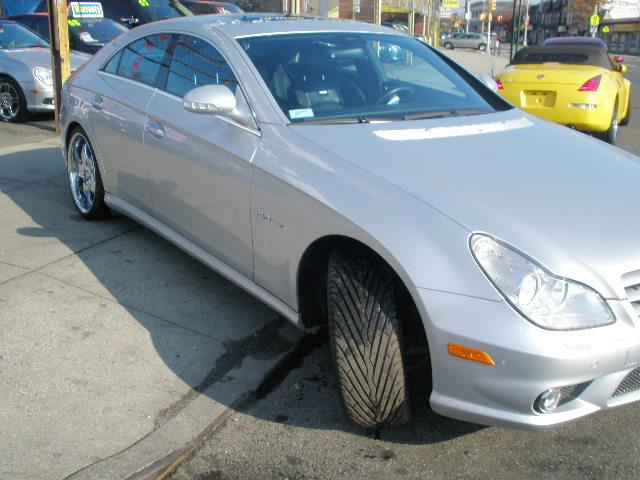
195,63
142,59
112,65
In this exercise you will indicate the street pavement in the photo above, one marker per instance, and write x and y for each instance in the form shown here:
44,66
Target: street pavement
118,350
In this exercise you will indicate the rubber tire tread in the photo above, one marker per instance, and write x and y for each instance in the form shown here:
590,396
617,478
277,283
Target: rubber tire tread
366,338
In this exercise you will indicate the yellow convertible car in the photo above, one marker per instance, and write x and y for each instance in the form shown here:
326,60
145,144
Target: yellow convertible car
574,85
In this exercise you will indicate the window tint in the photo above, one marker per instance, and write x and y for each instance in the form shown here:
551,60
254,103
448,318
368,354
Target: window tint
112,65
141,60
196,63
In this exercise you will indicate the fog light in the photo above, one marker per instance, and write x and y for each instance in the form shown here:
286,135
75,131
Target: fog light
548,400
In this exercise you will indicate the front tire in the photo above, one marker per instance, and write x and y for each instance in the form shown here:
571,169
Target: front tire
85,181
13,104
366,338
448,46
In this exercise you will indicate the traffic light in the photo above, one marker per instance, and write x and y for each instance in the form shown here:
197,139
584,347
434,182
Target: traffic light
492,5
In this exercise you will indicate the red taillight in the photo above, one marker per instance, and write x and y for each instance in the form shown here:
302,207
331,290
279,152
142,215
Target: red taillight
591,85
499,84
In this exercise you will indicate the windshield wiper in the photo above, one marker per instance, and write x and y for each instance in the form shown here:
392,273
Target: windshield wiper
443,113
335,120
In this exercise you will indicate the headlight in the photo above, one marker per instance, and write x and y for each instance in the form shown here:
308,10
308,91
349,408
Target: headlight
544,299
43,75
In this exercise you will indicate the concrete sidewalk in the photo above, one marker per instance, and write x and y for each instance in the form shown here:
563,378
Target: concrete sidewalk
477,62
116,349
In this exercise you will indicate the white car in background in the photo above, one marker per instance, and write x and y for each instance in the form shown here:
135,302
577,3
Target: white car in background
26,82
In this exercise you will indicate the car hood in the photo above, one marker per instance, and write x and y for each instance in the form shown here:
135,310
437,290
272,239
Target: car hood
564,198
41,57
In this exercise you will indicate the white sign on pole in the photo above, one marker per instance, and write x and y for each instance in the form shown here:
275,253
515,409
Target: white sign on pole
85,10
356,6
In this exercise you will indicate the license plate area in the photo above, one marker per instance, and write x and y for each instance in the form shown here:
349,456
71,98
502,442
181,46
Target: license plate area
538,99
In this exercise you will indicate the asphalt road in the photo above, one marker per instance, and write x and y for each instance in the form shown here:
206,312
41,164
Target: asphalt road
294,428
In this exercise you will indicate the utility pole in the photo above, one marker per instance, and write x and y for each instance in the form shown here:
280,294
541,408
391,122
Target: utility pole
60,60
526,23
467,14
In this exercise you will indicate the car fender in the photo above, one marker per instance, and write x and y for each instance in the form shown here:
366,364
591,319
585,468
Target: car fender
301,193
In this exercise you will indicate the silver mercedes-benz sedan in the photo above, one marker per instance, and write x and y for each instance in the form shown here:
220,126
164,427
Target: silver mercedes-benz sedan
395,199
26,84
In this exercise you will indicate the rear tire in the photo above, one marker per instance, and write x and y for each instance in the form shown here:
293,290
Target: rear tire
85,181
611,134
366,338
13,104
627,117
482,47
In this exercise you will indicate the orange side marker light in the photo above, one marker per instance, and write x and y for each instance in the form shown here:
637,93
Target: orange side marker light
469,353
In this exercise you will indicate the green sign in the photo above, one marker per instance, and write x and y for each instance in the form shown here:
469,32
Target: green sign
594,20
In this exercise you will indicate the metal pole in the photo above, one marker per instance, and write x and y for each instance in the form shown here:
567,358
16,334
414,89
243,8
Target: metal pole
467,15
60,60
526,23
513,32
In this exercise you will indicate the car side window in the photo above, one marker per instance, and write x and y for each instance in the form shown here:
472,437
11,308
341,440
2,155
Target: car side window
195,63
141,60
112,65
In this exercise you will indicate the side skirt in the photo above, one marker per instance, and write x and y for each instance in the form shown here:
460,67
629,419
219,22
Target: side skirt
133,212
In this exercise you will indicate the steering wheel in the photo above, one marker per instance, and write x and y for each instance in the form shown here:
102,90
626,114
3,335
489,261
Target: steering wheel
394,92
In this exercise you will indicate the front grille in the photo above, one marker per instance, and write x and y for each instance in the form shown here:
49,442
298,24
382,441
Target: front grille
631,282
631,383
571,392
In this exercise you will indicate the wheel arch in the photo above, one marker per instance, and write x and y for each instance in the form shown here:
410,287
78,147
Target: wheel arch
311,278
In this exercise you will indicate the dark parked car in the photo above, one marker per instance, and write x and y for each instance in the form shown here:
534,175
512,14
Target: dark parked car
86,35
18,7
132,13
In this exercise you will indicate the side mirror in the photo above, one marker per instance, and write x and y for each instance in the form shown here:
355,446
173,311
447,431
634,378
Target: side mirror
220,100
489,82
214,99
622,68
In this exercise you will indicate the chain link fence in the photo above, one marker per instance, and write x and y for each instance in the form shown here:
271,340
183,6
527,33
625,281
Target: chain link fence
208,7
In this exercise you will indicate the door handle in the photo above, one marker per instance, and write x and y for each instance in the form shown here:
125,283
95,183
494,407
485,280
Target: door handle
155,129
97,102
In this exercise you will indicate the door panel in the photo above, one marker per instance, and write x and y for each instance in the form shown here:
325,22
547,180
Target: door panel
200,173
117,117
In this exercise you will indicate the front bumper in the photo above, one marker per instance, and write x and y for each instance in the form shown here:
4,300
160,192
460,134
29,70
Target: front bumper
528,361
39,97
585,111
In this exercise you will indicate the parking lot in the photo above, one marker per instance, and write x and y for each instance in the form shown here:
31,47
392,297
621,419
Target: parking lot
118,350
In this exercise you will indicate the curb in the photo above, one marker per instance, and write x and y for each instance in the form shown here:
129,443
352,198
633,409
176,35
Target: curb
158,454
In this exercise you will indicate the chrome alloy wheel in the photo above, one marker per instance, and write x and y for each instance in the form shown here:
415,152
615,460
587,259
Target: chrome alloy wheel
9,101
81,166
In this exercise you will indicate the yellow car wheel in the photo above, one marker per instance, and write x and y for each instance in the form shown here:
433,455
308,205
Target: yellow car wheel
627,117
611,133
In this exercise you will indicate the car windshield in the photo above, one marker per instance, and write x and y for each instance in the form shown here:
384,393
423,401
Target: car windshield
14,36
358,77
18,7
95,31
152,10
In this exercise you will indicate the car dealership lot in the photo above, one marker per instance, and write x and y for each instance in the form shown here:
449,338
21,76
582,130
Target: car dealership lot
109,332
